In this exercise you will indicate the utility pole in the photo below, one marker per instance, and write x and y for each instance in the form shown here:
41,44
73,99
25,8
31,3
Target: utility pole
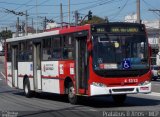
45,23
36,16
68,12
32,26
76,17
138,12
61,14
17,27
26,23
19,14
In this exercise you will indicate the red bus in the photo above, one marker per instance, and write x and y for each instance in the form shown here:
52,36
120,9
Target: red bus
89,60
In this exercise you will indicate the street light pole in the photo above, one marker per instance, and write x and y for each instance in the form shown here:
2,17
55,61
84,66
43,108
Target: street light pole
138,12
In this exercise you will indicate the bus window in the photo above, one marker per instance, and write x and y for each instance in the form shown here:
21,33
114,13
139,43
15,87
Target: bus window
56,48
22,51
68,47
8,52
29,50
46,49
56,54
25,51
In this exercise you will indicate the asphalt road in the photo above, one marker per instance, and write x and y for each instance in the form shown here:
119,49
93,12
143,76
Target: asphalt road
14,103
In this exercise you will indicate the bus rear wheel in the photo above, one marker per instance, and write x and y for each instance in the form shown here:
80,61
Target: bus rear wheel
72,97
26,88
119,99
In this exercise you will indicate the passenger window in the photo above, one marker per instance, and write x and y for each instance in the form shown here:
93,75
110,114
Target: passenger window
56,48
46,49
25,51
68,44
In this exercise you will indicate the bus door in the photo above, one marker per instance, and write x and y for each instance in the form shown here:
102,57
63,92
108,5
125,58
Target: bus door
37,66
14,65
81,63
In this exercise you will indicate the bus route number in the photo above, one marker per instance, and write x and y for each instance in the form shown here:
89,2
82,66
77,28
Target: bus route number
131,80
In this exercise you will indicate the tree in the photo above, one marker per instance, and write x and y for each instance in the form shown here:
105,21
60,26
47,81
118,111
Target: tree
94,20
4,35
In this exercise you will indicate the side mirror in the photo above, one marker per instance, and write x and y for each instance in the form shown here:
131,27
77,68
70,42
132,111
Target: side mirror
150,50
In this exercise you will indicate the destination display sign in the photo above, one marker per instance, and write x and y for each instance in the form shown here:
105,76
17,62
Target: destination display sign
124,29
117,29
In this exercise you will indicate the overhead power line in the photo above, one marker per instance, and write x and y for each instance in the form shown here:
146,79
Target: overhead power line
15,13
120,10
50,4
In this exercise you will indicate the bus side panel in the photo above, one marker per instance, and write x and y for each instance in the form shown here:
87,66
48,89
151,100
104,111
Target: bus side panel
9,74
25,68
66,70
50,85
50,77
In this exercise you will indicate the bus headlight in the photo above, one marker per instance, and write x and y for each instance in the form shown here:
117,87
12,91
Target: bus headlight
98,84
144,83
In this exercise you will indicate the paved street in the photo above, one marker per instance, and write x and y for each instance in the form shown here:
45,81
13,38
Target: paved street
13,100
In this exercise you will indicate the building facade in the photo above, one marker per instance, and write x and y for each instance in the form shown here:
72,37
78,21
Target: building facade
153,32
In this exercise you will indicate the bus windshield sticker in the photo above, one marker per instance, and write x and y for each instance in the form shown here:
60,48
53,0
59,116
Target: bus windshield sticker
108,66
126,64
61,69
72,68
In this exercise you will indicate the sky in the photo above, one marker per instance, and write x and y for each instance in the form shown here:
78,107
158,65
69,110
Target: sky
115,10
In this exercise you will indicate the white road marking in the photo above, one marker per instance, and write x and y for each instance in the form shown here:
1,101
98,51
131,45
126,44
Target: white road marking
154,94
156,84
3,75
0,79
87,110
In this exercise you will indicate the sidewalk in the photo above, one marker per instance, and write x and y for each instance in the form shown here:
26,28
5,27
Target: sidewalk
2,65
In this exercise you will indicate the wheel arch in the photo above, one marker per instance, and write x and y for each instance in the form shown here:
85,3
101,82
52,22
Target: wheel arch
67,81
25,78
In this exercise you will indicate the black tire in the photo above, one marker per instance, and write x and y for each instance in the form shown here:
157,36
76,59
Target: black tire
119,99
155,78
72,97
26,88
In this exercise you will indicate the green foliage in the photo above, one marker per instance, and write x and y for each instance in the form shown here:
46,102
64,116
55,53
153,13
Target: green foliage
5,34
95,20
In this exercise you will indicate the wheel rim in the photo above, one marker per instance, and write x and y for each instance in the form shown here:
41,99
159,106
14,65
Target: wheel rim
71,92
26,89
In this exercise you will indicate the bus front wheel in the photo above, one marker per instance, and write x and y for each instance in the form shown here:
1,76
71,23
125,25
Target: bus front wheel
119,99
72,97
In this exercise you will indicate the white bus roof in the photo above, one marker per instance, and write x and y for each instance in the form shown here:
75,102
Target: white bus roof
33,36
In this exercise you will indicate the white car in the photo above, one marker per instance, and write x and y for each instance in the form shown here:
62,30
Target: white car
155,72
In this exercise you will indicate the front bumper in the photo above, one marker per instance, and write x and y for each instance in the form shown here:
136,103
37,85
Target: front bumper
97,90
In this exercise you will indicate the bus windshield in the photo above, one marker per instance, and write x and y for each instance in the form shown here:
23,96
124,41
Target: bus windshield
120,51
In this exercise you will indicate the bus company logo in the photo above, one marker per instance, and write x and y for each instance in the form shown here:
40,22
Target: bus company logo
48,67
